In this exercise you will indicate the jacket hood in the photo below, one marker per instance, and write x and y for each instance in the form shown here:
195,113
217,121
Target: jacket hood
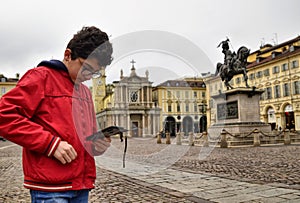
55,64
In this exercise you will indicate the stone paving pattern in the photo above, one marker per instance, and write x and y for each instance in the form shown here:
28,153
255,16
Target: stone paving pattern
276,165
241,174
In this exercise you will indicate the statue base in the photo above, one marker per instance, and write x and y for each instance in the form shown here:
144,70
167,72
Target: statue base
237,111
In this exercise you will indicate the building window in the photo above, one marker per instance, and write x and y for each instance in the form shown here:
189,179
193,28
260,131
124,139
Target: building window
297,87
266,72
169,106
277,91
154,95
252,76
178,107
195,94
211,103
3,90
187,109
259,74
195,107
169,94
203,94
286,90
187,94
178,94
269,93
238,80
284,67
295,64
275,69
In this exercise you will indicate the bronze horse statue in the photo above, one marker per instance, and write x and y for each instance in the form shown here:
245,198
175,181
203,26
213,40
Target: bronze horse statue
236,65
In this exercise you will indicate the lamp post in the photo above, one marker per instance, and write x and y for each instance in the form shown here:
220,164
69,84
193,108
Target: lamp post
202,109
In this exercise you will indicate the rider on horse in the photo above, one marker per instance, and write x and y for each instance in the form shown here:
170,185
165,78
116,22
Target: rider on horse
228,58
233,63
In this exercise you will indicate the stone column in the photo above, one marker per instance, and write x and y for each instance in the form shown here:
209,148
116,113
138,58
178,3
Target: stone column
168,138
142,96
149,124
224,143
191,139
144,125
158,138
256,140
287,137
205,139
178,139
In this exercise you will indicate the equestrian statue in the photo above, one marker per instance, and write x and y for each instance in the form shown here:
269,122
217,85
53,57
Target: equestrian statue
234,64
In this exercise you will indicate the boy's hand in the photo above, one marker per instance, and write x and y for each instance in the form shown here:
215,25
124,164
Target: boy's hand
65,153
101,145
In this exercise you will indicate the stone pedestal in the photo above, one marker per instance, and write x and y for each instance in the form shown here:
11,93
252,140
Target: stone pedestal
237,111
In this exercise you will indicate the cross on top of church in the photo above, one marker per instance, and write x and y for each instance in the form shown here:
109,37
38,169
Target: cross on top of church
132,62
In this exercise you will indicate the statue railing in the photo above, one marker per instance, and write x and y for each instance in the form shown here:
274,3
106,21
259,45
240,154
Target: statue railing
227,139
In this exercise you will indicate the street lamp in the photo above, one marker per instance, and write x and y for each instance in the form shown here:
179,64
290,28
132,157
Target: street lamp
202,109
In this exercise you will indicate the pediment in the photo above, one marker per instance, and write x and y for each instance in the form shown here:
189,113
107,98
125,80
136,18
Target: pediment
285,79
134,79
268,84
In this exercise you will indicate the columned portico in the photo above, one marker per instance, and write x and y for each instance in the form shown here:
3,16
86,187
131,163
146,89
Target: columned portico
132,107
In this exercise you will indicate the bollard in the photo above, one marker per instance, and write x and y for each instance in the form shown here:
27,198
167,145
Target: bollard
224,143
158,138
168,138
205,138
178,139
256,140
287,137
191,139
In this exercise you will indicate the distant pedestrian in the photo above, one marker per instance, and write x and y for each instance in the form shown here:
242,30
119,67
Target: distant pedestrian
50,113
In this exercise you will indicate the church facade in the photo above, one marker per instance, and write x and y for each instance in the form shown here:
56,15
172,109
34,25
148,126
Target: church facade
129,104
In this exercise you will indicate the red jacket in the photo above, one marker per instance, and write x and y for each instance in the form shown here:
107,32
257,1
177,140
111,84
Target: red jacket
44,108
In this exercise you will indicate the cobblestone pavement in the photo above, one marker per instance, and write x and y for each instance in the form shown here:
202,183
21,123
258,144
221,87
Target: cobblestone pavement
272,165
110,186
173,173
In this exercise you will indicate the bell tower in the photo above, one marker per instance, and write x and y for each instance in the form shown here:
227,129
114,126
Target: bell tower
99,93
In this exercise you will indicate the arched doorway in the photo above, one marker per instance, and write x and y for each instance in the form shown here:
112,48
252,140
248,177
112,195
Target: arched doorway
170,125
271,118
289,117
187,125
203,124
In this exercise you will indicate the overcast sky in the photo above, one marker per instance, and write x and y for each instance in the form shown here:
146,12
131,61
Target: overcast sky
35,30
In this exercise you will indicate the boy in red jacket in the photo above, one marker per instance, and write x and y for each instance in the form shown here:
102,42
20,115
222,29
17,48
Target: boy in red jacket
50,113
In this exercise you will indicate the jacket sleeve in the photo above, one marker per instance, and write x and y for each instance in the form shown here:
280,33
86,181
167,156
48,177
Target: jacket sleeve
17,111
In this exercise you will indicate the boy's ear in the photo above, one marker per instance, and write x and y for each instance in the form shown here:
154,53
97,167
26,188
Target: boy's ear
67,54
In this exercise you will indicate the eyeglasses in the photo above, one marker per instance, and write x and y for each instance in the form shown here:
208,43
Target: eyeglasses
87,70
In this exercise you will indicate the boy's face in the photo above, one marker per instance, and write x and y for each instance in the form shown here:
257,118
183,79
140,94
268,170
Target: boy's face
81,70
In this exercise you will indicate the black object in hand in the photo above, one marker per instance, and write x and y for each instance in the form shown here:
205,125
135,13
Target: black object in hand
110,131
107,132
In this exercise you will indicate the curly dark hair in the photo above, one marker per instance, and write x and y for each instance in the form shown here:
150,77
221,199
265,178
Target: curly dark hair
91,42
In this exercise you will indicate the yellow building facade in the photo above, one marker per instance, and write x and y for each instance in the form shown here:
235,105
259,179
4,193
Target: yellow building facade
275,69
6,84
180,102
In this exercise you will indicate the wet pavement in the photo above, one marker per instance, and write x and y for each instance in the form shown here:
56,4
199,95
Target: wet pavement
177,173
